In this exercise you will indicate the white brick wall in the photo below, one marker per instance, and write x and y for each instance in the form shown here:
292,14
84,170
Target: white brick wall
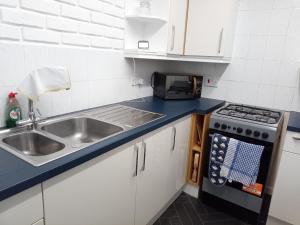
21,17
9,32
61,24
12,3
44,6
86,36
94,23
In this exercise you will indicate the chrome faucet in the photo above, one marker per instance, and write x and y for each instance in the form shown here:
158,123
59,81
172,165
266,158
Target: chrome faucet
31,122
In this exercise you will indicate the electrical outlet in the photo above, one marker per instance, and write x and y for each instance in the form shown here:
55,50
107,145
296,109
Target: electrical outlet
137,81
210,82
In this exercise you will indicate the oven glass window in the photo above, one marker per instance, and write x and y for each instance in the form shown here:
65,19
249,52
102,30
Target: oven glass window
264,163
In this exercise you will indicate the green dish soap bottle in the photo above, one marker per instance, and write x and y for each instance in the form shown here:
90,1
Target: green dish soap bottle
13,111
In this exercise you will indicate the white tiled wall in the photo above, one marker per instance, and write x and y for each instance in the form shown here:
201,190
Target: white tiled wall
84,35
87,37
266,59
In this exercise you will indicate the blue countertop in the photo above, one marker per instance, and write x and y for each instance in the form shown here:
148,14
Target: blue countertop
17,175
294,122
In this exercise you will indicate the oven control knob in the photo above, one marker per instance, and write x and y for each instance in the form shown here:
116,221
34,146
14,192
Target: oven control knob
224,126
265,135
256,133
217,125
239,130
248,132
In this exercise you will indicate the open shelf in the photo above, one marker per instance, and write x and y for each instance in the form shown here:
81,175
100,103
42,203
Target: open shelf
197,151
131,52
146,19
163,56
197,148
150,25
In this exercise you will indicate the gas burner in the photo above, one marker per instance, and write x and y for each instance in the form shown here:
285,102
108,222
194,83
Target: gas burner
251,113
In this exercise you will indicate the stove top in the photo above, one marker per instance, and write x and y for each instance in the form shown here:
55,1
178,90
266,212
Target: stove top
248,121
250,113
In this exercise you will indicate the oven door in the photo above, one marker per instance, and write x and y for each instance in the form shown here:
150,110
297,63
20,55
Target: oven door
235,192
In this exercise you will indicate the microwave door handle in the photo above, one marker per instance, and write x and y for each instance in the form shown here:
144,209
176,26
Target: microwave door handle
195,86
152,81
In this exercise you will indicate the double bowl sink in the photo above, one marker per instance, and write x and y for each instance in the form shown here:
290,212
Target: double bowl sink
57,137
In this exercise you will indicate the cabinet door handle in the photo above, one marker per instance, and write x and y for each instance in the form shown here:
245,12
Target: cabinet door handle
174,138
296,138
221,41
173,37
136,150
144,160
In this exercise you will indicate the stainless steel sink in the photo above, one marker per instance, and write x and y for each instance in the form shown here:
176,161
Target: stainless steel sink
56,137
82,130
33,144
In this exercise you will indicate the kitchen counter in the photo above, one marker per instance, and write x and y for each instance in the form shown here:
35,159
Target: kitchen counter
17,175
294,122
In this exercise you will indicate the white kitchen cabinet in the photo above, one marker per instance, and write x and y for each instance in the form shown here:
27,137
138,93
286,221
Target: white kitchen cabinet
210,27
152,182
292,142
181,149
285,202
24,208
99,192
177,22
126,186
165,169
178,156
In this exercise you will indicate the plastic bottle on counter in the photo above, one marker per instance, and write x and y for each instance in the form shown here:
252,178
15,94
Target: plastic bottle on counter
13,110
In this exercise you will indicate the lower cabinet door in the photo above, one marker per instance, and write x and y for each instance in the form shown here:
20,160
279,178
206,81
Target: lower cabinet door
178,155
99,192
152,182
285,203
24,208
181,149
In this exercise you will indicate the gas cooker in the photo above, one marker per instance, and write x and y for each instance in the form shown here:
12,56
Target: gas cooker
249,121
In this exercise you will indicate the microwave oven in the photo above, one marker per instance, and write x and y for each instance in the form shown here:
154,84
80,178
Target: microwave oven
176,86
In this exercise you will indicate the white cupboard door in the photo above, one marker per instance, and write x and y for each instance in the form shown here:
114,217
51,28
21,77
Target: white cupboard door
152,193
181,148
285,202
177,25
24,208
207,27
178,156
99,192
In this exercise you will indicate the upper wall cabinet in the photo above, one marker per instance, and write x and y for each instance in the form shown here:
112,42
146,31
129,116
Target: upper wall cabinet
146,21
185,30
177,22
210,28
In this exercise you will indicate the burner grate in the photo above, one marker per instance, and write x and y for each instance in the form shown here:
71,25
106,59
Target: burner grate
251,113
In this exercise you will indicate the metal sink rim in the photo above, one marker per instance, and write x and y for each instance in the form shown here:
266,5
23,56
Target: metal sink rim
69,149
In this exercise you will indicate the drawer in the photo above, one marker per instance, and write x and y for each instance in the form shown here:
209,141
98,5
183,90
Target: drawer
292,142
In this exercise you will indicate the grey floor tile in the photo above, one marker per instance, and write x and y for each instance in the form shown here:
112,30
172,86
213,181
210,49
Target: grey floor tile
187,210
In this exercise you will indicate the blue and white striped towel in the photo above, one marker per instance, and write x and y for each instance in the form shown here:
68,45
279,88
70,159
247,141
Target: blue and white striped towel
242,162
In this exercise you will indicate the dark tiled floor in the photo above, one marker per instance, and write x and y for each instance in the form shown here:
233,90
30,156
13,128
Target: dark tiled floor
187,210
